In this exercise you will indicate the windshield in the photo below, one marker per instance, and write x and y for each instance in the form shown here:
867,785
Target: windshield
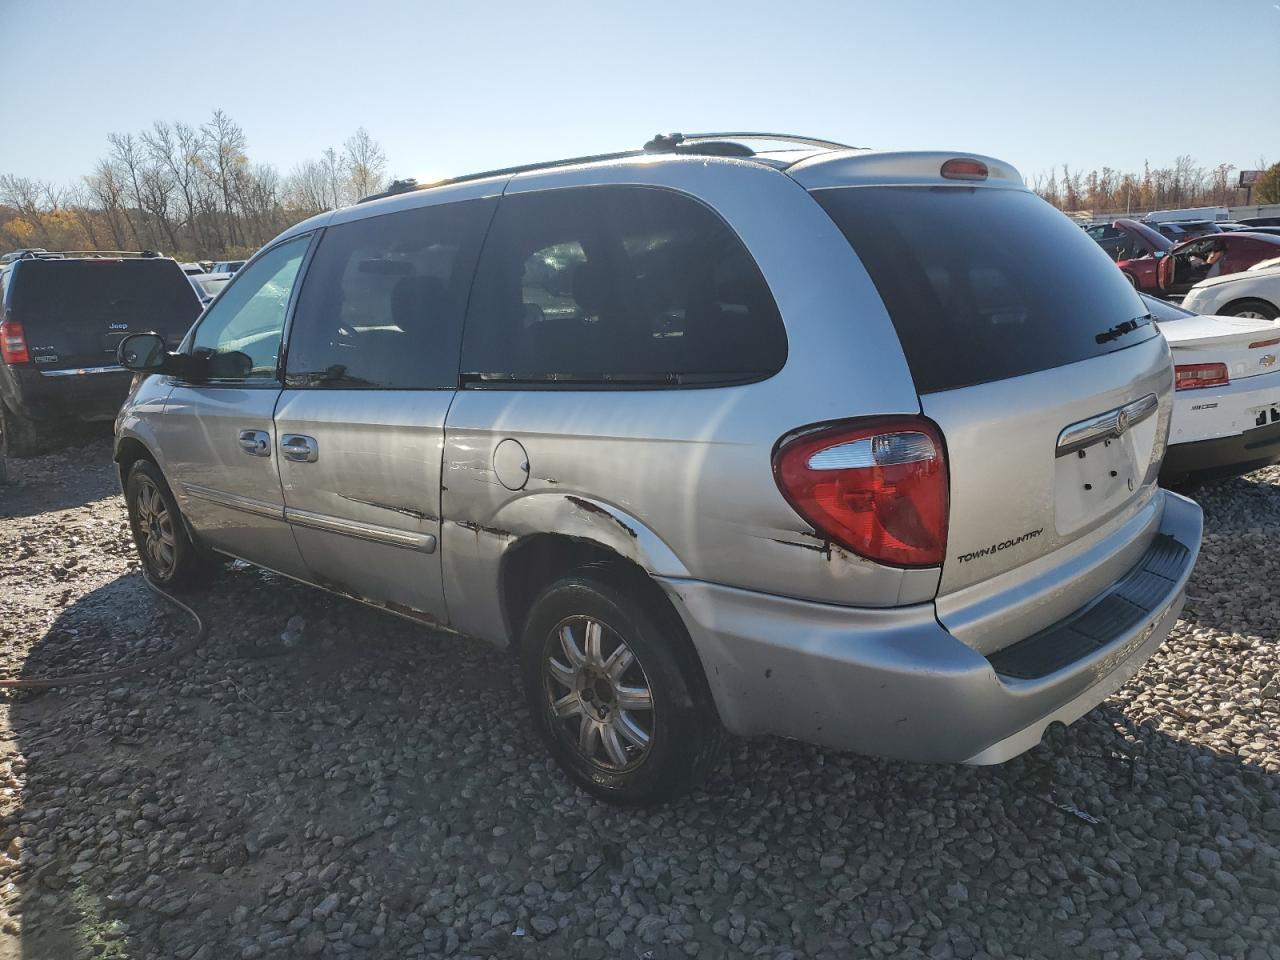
986,283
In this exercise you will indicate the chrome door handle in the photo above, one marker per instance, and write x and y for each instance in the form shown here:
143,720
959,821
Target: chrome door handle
256,443
297,447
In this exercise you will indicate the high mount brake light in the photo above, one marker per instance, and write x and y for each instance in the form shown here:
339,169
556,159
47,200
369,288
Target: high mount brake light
1197,376
13,343
877,487
963,168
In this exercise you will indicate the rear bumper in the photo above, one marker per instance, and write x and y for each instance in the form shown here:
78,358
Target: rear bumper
1224,456
894,682
1216,432
60,396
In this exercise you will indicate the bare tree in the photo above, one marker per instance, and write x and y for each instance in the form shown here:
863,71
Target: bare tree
104,184
335,179
366,163
188,189
225,152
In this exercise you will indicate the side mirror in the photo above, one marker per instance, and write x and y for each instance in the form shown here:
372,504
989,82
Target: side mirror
142,353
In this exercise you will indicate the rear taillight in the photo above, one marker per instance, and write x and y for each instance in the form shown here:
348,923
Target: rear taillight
13,342
1195,376
877,487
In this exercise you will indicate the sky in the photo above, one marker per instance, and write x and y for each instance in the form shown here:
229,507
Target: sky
455,88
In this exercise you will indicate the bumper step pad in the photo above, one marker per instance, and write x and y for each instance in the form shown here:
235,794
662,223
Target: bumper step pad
1086,631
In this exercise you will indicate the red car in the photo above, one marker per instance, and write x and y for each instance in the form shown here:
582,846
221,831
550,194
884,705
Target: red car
1136,248
1215,255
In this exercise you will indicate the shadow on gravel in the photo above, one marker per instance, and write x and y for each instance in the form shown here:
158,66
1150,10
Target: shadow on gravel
59,480
376,791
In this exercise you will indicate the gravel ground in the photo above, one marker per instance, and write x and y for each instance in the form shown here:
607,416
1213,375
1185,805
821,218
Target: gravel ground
369,788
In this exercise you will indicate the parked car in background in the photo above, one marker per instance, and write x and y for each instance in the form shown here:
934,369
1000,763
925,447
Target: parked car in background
1226,408
226,266
1179,230
1260,221
191,269
1254,293
1136,248
209,285
779,442
1205,258
61,318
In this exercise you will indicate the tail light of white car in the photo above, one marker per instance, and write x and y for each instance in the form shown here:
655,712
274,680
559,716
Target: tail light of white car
1197,376
879,487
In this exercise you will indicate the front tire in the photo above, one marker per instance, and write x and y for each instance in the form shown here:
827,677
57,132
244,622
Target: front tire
1254,309
168,556
617,691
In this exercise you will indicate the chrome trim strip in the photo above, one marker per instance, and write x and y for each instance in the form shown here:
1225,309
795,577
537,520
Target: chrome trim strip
1105,426
79,371
259,508
422,542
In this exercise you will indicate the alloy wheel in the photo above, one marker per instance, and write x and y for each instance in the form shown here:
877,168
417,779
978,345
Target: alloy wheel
599,697
155,528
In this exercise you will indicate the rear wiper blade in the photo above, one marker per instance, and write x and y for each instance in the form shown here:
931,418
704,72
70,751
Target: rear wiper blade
1120,329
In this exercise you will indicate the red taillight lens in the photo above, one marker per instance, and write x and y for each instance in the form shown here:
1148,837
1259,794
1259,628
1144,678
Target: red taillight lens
878,488
963,168
1195,376
13,342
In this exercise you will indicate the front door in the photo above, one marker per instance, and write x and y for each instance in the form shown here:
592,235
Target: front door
216,429
371,371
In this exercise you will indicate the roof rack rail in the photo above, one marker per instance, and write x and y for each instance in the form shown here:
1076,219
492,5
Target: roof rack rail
669,142
409,185
713,144
34,254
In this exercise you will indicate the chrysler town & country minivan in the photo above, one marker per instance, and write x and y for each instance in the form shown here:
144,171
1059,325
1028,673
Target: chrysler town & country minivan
716,439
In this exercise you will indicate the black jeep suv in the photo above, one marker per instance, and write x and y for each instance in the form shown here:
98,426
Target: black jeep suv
61,316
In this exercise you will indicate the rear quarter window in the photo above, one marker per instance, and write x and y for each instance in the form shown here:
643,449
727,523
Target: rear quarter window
618,285
984,283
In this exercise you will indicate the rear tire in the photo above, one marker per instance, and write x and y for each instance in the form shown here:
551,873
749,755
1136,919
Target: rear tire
17,439
1257,309
617,692
168,556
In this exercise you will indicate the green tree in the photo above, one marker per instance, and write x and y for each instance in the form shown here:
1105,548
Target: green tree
1267,189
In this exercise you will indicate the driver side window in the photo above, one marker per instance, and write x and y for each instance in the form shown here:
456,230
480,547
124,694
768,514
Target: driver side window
241,332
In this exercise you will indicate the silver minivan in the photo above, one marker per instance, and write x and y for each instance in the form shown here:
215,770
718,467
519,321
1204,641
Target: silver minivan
858,448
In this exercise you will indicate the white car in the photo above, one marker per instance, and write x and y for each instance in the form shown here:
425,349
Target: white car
1251,293
1226,404
208,285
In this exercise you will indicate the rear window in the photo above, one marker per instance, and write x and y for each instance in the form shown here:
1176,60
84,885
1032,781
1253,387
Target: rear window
146,294
984,283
